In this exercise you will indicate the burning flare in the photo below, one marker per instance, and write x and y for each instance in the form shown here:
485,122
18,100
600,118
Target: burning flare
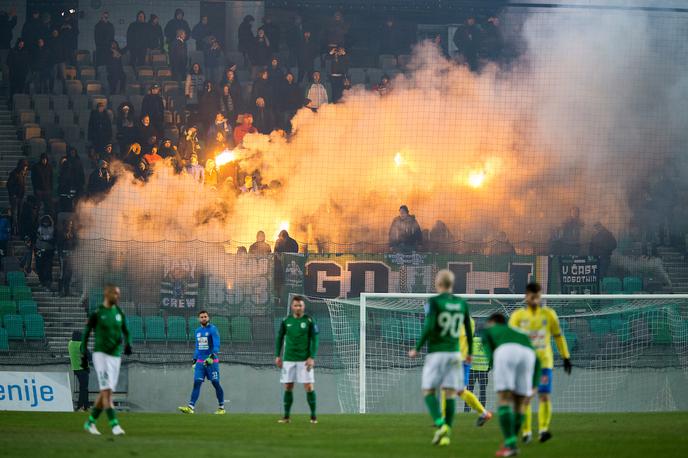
225,157
476,178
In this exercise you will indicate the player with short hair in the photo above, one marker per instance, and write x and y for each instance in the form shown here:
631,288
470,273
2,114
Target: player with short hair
541,323
516,369
298,334
206,363
442,369
109,325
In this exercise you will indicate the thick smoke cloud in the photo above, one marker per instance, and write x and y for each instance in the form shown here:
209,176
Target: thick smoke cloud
593,109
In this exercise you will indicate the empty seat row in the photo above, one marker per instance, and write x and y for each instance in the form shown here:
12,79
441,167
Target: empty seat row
29,327
25,307
615,285
16,292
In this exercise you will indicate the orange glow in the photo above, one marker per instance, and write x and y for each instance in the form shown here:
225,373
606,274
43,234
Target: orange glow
398,159
225,157
476,178
283,226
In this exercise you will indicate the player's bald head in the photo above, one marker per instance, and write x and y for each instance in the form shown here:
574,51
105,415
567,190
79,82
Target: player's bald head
111,293
444,280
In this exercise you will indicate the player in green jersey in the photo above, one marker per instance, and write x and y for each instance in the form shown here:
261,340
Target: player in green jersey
443,369
109,326
516,370
298,333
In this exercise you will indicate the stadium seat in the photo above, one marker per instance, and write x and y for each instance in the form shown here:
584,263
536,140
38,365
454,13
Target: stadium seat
96,99
16,278
57,147
27,307
133,88
51,130
155,329
94,87
65,117
222,324
193,325
7,308
403,60
36,147
35,327
25,116
41,102
79,102
74,87
135,326
21,102
87,73
176,329
163,74
411,326
95,298
70,72
611,285
600,326
22,293
4,340
390,329
60,102
72,134
158,60
170,88
5,293
31,131
387,61
14,324
632,285
241,329
145,74
83,57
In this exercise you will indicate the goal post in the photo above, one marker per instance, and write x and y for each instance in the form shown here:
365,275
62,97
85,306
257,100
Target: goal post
612,338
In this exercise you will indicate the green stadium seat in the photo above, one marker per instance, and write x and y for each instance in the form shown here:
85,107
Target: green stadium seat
27,307
176,329
35,327
155,329
222,324
4,340
5,293
7,308
135,326
325,328
22,293
411,327
599,326
193,325
661,333
16,278
14,324
95,299
611,285
390,329
240,329
632,285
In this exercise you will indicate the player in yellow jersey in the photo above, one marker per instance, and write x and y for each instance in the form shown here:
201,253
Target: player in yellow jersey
541,323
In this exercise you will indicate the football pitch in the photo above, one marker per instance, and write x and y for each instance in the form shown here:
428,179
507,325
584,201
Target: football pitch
243,435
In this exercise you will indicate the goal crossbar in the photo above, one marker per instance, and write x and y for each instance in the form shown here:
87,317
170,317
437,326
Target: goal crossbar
477,297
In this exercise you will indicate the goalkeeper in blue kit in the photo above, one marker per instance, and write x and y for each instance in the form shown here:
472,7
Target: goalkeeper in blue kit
206,363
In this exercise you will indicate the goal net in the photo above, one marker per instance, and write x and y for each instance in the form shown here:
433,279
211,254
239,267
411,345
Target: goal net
630,352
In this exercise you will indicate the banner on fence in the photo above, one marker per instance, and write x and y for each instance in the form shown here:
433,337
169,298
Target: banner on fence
35,391
578,274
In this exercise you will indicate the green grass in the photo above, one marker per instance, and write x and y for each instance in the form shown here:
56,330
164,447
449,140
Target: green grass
169,435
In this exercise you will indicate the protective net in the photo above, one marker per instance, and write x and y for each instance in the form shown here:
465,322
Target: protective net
619,348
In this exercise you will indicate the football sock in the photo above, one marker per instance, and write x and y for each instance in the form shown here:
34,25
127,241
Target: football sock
95,413
219,392
506,422
518,421
434,408
472,400
544,415
528,420
310,397
195,393
112,417
450,407
288,401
